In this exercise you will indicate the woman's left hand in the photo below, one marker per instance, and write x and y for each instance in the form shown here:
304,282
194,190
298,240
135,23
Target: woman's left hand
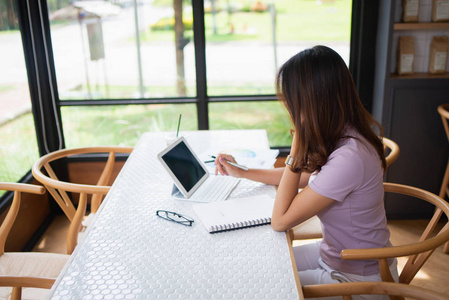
295,144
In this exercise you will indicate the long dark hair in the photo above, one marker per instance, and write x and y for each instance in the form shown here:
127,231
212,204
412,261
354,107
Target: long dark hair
318,91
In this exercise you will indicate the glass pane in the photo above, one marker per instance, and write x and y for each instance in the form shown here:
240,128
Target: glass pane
271,116
123,125
106,50
18,147
247,41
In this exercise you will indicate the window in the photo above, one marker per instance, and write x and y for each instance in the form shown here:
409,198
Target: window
111,51
246,43
117,54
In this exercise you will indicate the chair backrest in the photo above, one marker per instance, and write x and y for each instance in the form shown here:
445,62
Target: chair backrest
18,189
348,289
60,189
419,251
391,151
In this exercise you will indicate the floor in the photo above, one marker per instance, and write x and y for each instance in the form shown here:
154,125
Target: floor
433,275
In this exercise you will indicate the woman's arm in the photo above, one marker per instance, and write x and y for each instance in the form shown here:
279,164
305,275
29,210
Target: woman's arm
292,208
267,176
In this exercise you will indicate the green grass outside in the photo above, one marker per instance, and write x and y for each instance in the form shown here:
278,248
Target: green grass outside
4,88
270,116
18,149
297,20
123,125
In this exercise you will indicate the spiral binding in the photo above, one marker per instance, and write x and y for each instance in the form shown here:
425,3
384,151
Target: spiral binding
238,225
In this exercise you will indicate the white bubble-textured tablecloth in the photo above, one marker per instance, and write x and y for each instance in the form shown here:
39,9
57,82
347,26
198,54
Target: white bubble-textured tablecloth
130,253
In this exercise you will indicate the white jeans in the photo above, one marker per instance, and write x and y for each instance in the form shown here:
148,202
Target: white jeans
312,270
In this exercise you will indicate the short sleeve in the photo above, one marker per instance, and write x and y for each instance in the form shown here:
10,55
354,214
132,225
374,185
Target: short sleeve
342,173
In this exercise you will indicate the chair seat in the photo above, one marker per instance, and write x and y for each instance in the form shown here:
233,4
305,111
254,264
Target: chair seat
33,264
310,229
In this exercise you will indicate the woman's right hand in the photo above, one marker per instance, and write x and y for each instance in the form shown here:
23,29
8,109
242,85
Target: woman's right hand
222,166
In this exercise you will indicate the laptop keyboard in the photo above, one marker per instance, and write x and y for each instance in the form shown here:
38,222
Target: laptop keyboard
215,188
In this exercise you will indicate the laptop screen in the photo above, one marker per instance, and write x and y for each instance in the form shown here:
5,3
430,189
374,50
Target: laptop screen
184,165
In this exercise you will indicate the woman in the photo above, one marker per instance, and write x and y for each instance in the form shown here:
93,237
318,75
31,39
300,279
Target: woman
337,160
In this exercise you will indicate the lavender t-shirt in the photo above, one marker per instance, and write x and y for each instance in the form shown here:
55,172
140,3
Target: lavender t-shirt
353,177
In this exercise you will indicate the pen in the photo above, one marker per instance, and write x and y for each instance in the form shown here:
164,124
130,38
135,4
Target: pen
237,165
179,124
210,161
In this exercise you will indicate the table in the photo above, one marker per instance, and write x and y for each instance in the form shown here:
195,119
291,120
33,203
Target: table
130,253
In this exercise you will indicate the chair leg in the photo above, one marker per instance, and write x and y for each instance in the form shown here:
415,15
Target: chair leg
445,183
75,225
16,293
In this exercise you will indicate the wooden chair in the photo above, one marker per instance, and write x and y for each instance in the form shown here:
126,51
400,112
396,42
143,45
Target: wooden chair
370,288
27,271
60,189
311,229
417,252
443,110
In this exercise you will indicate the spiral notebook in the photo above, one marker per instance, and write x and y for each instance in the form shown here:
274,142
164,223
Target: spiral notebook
235,213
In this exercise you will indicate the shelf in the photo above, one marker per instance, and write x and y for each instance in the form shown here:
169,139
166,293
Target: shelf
419,76
423,26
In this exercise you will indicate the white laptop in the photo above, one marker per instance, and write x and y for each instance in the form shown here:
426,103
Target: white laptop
192,181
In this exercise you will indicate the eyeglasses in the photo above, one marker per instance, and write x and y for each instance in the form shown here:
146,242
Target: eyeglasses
174,217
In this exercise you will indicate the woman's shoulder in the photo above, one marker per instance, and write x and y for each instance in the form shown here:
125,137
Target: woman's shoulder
355,152
353,141
347,155
341,174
